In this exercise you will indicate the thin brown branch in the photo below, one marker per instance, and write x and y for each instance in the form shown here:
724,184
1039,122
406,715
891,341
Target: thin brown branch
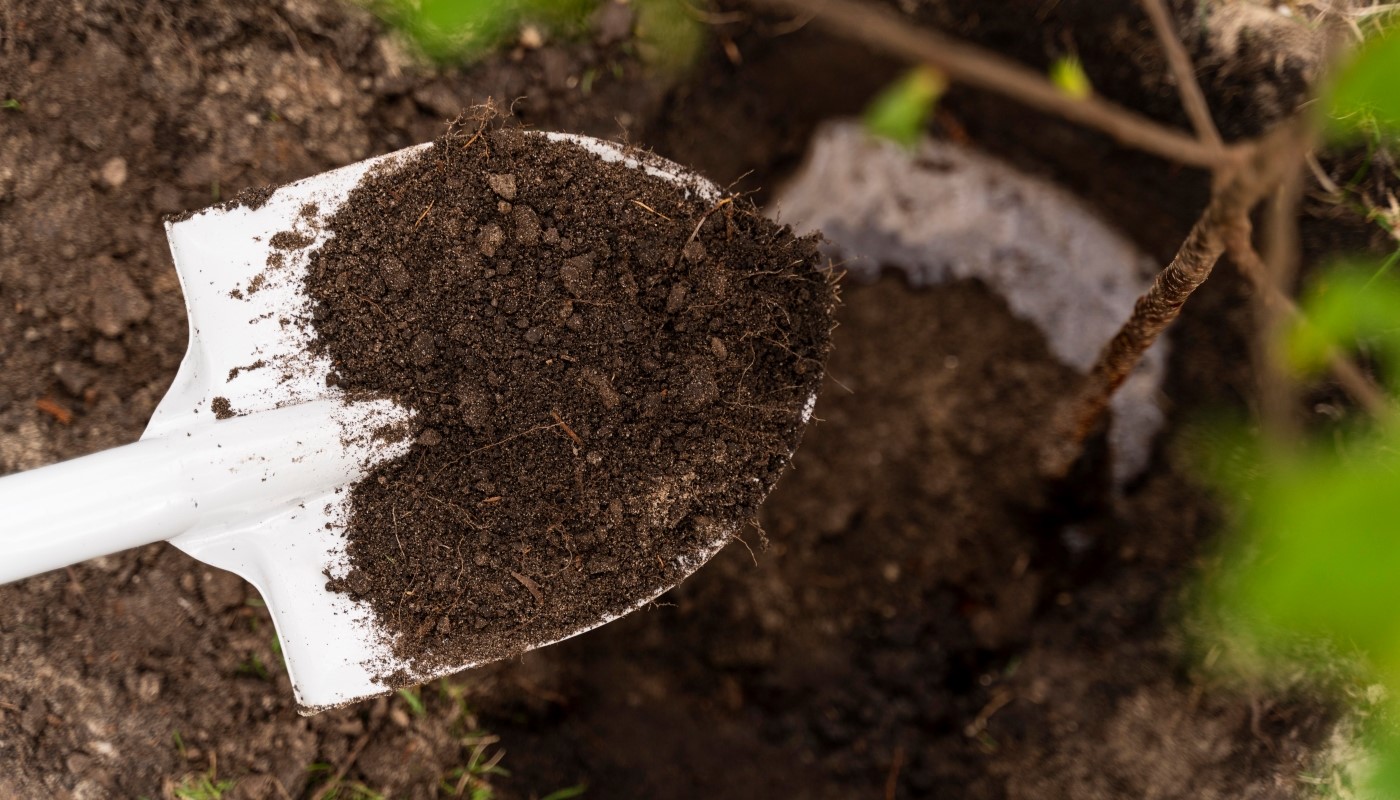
884,29
333,784
1350,376
1277,394
1237,190
1192,98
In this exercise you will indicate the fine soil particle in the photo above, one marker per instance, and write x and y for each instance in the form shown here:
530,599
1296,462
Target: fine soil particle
609,374
222,408
251,198
290,240
236,371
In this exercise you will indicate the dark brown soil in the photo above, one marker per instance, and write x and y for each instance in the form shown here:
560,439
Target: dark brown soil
922,625
609,374
926,621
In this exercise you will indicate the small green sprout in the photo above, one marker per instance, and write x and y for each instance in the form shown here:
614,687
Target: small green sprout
414,701
1068,74
901,111
1362,98
11,104
204,786
567,793
253,667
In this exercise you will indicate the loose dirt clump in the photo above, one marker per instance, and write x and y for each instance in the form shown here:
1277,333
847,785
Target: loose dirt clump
609,372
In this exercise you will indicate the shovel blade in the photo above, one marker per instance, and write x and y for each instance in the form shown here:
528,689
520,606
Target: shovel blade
243,269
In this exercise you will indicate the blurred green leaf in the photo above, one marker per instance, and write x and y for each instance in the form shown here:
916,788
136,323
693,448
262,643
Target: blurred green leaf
1311,575
900,112
1325,531
1351,305
668,34
1068,74
567,793
1365,95
414,701
467,29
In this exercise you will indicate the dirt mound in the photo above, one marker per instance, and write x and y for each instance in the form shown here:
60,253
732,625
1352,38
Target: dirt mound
609,370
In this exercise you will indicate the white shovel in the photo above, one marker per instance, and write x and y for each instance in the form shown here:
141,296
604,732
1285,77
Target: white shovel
264,494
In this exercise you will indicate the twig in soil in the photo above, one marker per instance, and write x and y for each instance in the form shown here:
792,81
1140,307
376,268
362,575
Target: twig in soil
567,429
531,586
978,725
652,210
514,436
344,768
1187,86
372,304
51,407
892,779
424,214
885,29
1277,394
721,204
746,547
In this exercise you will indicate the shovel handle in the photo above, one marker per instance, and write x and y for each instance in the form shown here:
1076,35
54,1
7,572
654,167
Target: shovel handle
203,477
91,506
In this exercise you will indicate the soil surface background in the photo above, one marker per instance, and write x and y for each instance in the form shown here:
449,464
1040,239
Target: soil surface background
924,622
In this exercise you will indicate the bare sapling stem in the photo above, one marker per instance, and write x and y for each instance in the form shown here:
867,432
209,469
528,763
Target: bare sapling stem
1237,190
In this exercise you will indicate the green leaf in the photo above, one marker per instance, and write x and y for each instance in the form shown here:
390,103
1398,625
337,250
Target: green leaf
1327,531
567,793
900,112
668,36
1068,74
11,104
455,30
1365,96
1349,306
415,703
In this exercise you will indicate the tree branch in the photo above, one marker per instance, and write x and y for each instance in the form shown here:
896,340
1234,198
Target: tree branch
1351,377
885,30
1243,174
1192,98
1237,190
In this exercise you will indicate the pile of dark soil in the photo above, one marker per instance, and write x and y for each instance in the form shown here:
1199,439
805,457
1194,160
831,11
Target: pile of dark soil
609,374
